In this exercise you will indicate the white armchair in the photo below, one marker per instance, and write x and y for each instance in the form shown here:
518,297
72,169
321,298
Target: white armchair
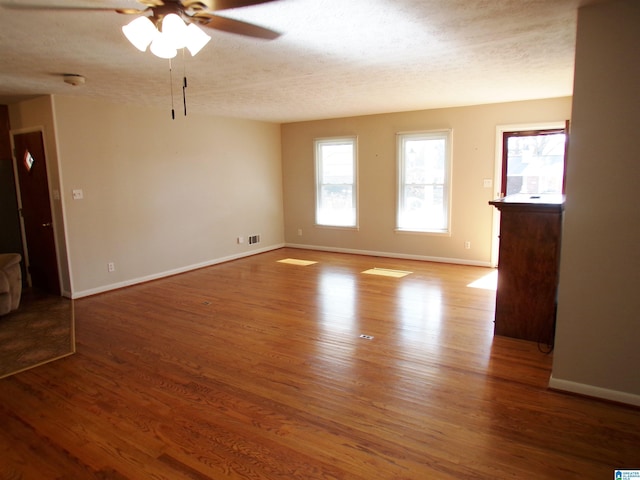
10,282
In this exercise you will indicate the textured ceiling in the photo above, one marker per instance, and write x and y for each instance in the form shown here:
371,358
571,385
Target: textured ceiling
335,58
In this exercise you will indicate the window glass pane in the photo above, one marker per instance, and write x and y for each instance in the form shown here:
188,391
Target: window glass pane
423,207
425,161
336,182
336,205
337,163
535,164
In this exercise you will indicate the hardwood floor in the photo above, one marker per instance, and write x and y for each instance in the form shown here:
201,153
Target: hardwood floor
255,369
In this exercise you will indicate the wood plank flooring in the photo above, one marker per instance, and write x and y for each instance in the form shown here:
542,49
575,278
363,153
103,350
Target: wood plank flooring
255,369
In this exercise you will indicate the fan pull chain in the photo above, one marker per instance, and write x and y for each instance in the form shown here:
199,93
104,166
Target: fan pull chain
173,112
184,96
184,83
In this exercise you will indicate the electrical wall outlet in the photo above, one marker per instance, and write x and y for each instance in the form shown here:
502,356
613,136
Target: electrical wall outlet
467,245
299,232
240,240
111,267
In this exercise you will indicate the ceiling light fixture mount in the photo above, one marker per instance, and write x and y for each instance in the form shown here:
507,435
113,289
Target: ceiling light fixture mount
73,79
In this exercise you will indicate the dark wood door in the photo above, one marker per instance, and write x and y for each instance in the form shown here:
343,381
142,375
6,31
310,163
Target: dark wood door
42,263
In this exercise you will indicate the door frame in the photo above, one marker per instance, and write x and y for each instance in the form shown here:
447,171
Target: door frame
52,197
497,173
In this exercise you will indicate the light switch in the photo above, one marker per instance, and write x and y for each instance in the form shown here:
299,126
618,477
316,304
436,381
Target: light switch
77,194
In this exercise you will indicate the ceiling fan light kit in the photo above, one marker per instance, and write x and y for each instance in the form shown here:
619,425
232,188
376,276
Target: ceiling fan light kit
174,35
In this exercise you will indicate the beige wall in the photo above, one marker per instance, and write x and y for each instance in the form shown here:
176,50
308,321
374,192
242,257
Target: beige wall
598,327
37,114
474,154
162,196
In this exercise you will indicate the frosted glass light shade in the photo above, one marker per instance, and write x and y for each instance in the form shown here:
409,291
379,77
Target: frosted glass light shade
174,30
196,39
140,32
162,47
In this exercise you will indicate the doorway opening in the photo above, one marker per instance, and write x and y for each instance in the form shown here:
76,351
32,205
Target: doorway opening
36,216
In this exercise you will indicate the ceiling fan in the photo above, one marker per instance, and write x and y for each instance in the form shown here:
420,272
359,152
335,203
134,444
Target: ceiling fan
156,12
166,26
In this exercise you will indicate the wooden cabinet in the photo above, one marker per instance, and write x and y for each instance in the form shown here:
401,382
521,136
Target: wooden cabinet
529,257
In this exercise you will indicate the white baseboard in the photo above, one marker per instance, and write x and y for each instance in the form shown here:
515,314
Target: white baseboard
458,261
593,391
168,273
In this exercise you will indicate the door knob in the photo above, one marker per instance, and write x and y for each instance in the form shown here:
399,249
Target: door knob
46,224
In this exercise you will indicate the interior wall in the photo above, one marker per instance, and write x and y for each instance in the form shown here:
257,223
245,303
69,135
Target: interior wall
37,114
162,196
474,150
598,325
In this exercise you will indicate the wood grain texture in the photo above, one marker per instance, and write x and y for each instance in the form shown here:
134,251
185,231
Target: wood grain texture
254,369
530,238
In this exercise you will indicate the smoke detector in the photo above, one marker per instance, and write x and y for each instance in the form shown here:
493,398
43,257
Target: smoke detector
73,79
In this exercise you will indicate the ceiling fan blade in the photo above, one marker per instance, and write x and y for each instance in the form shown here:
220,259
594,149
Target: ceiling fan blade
229,4
130,11
234,26
68,8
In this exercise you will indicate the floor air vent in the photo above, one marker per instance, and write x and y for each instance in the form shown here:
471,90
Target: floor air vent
254,239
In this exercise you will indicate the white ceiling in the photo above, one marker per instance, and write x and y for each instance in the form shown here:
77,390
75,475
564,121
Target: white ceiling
336,58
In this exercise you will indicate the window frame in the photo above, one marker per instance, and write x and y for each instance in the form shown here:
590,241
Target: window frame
401,138
540,132
318,169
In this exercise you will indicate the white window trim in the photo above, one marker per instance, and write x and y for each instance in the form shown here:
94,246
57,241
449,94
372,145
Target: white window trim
448,180
356,199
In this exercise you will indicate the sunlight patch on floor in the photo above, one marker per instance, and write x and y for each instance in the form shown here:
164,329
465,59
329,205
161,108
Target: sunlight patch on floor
487,282
385,272
295,261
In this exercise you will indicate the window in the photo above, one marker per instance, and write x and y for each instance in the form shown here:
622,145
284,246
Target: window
424,179
336,187
533,161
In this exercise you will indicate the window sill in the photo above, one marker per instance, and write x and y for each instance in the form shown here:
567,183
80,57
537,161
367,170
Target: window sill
433,233
338,227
